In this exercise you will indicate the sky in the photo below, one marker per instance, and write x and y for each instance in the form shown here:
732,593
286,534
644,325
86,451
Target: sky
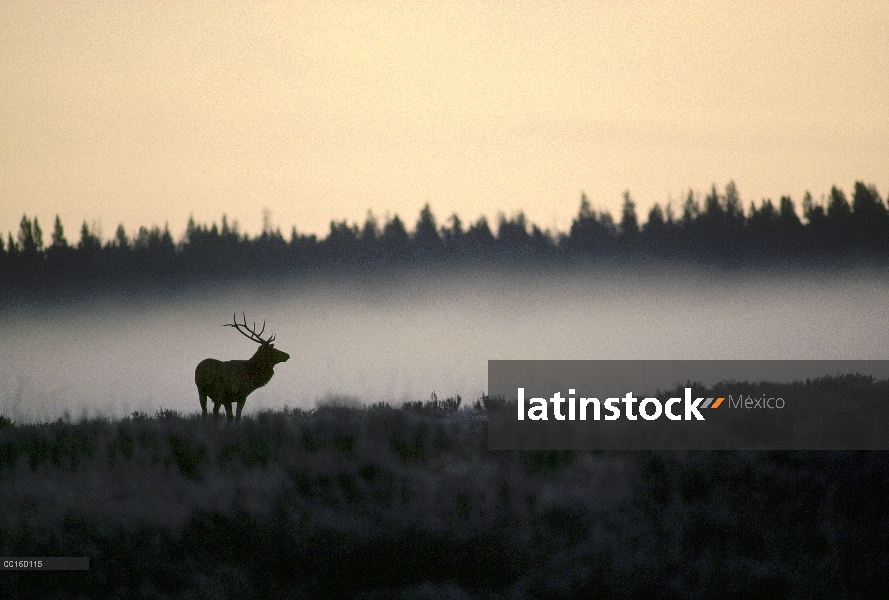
147,113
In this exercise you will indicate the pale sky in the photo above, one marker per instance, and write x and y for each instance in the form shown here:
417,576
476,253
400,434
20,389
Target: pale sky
144,113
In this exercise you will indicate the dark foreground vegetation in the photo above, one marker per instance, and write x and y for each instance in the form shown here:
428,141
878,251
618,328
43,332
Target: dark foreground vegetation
711,230
382,502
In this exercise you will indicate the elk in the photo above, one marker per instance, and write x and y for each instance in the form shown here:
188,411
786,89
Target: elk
231,381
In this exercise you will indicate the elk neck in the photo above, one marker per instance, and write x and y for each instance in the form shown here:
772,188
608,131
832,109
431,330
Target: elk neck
260,366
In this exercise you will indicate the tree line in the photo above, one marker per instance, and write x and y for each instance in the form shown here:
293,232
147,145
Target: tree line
713,230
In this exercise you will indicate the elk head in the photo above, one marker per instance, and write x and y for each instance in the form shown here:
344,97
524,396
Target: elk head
266,354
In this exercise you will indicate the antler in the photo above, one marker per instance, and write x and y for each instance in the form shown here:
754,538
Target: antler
250,333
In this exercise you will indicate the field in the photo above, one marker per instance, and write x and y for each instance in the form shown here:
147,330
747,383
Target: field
385,502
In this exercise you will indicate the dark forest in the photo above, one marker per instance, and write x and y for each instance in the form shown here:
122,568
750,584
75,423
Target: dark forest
715,230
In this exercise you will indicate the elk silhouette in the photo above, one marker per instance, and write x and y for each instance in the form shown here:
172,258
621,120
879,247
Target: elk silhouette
231,381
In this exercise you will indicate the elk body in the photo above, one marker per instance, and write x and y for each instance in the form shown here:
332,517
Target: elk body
231,381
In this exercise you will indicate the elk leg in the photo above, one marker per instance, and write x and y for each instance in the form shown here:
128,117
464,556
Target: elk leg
203,399
240,408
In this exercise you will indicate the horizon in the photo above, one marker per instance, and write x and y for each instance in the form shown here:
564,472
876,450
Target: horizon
670,212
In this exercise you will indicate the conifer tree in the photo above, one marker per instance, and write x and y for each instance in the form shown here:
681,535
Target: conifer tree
58,235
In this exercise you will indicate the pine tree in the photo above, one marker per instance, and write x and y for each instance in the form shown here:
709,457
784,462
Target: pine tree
629,224
30,237
58,235
426,240
11,248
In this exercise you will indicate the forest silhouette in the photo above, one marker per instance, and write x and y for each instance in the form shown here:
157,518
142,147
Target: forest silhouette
713,230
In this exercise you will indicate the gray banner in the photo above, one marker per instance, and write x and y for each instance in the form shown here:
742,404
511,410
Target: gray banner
688,405
44,563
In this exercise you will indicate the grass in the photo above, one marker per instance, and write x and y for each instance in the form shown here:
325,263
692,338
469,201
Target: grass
381,502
